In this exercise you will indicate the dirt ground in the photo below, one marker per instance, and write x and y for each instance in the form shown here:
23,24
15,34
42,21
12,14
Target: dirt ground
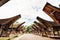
32,37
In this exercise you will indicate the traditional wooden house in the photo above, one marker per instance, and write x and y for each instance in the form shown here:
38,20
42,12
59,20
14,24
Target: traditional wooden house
34,29
41,27
5,24
53,12
19,28
14,30
51,27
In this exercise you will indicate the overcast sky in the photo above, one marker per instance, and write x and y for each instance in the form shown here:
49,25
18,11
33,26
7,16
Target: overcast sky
29,9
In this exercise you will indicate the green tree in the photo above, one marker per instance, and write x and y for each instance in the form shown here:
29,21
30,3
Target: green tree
28,28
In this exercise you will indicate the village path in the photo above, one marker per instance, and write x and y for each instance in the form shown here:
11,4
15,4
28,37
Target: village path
32,37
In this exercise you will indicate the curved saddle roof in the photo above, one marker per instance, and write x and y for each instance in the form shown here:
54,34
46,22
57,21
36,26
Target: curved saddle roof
9,20
2,2
53,12
49,24
45,22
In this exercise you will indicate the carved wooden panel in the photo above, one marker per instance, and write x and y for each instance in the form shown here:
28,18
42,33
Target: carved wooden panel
53,12
3,2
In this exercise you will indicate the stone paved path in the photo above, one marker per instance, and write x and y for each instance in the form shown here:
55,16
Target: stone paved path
32,37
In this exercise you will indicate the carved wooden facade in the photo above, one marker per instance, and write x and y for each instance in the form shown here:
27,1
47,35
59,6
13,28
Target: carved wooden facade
53,12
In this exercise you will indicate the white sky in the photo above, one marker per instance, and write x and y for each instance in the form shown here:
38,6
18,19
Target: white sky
29,9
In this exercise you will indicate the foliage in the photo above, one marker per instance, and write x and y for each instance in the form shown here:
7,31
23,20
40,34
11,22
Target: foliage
28,28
